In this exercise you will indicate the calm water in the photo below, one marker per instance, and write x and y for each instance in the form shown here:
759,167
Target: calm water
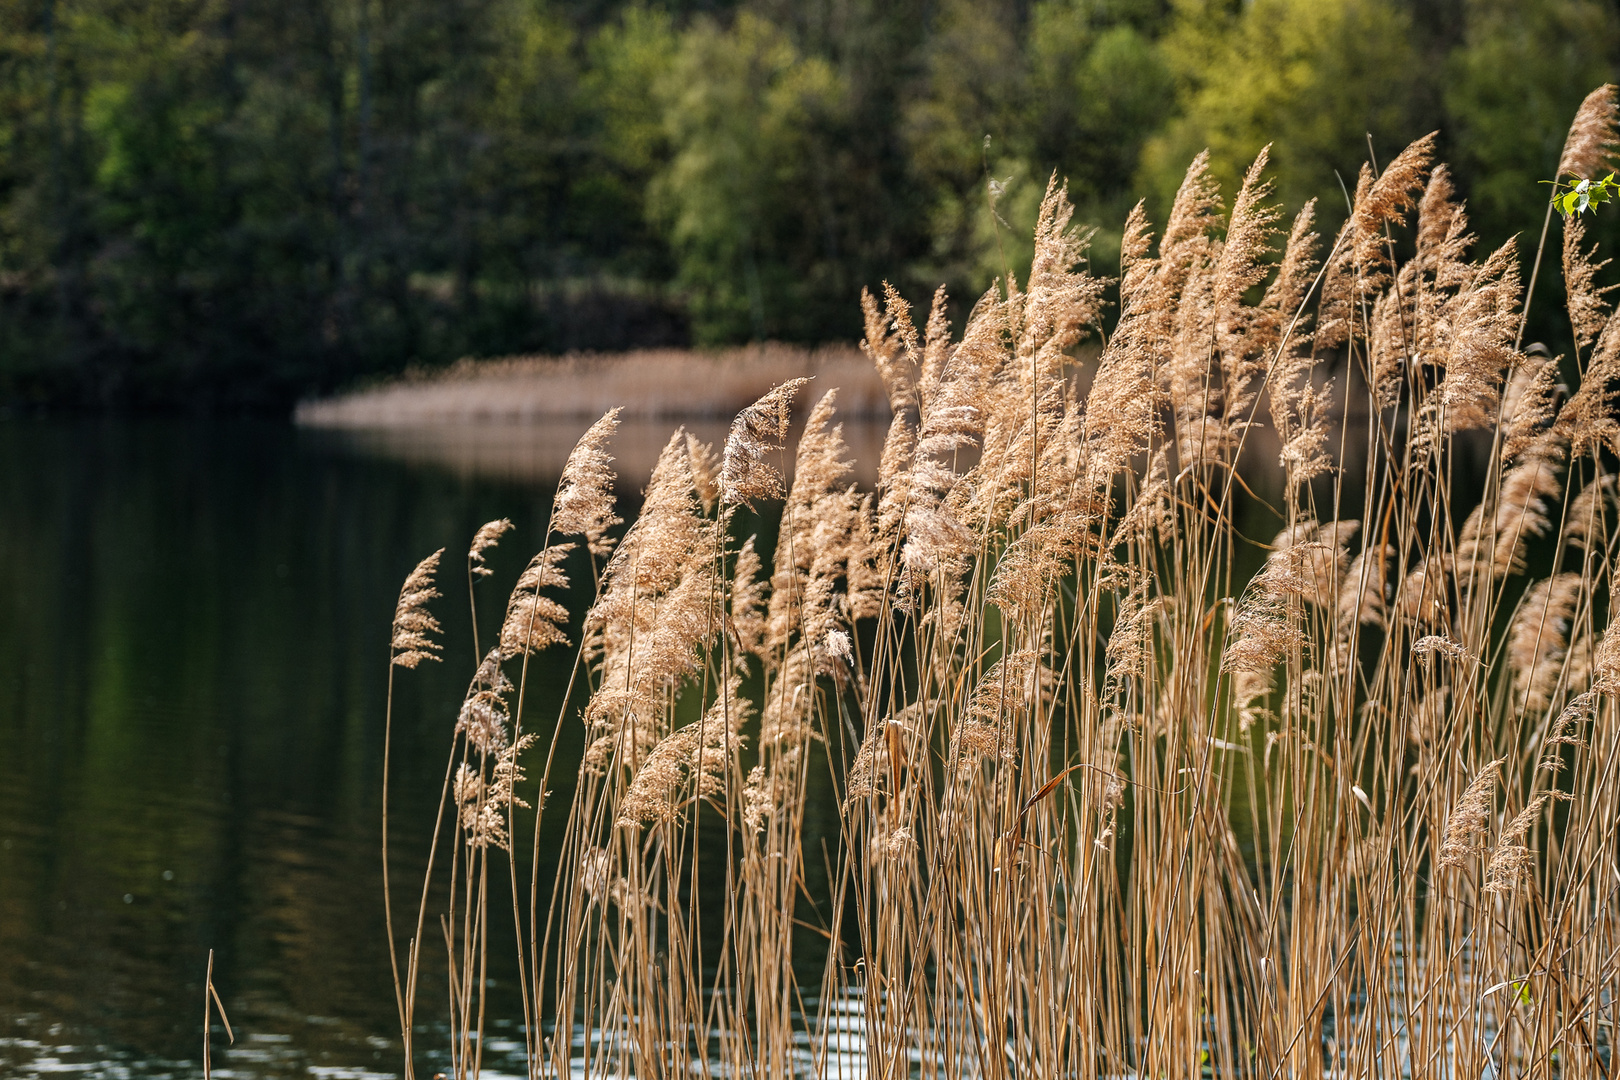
193,651
193,662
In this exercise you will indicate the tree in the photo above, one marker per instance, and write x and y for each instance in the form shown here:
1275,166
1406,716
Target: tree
746,196
1310,77
1512,86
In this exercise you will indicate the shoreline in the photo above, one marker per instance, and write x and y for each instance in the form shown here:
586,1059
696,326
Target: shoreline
647,383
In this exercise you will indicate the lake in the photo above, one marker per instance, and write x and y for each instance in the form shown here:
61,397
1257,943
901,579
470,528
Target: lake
194,629
193,663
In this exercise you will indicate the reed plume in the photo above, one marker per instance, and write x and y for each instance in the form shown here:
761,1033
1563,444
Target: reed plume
488,535
1589,149
583,505
758,431
413,625
1089,743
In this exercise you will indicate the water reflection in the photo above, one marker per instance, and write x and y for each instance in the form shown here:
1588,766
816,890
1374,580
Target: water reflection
193,648
535,452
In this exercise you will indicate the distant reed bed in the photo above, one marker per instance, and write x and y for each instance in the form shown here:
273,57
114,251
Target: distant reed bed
641,383
1108,803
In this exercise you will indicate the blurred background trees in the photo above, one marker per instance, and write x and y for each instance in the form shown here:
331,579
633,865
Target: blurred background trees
223,204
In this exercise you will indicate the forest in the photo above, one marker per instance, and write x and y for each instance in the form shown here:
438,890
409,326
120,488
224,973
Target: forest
227,205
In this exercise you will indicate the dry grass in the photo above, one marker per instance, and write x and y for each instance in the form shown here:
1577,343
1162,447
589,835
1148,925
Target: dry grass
645,383
535,453
1109,805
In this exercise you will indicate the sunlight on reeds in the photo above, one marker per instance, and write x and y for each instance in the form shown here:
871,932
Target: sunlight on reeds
1120,789
642,383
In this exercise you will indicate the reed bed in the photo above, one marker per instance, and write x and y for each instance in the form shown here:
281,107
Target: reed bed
1120,790
641,383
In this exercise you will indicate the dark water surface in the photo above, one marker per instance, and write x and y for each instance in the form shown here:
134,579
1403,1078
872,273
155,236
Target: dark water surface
193,663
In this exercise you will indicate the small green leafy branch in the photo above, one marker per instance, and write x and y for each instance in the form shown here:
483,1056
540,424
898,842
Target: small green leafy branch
1583,195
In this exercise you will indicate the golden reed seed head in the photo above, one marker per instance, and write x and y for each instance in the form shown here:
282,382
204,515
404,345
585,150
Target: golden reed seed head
1527,405
690,762
1440,220
1469,822
534,622
820,465
1242,263
1538,640
1566,731
1606,662
484,804
1587,524
1588,310
483,720
1364,596
936,343
748,603
1384,201
1512,863
758,430
413,625
584,503
899,314
1432,645
1590,145
489,673
488,535
758,803
1196,208
705,471
891,344
653,619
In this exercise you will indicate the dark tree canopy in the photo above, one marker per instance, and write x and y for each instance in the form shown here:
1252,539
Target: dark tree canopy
227,204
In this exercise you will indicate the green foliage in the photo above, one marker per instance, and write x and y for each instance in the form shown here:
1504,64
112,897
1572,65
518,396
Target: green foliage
218,205
1511,88
1584,195
748,118
1309,77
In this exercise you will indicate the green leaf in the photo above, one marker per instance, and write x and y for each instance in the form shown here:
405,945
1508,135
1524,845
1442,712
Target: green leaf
1586,195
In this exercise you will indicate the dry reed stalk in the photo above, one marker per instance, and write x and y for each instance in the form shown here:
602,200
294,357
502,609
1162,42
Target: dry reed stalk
1110,799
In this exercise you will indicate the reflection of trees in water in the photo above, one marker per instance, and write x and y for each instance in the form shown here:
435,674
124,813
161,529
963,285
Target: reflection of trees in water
190,715
534,452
